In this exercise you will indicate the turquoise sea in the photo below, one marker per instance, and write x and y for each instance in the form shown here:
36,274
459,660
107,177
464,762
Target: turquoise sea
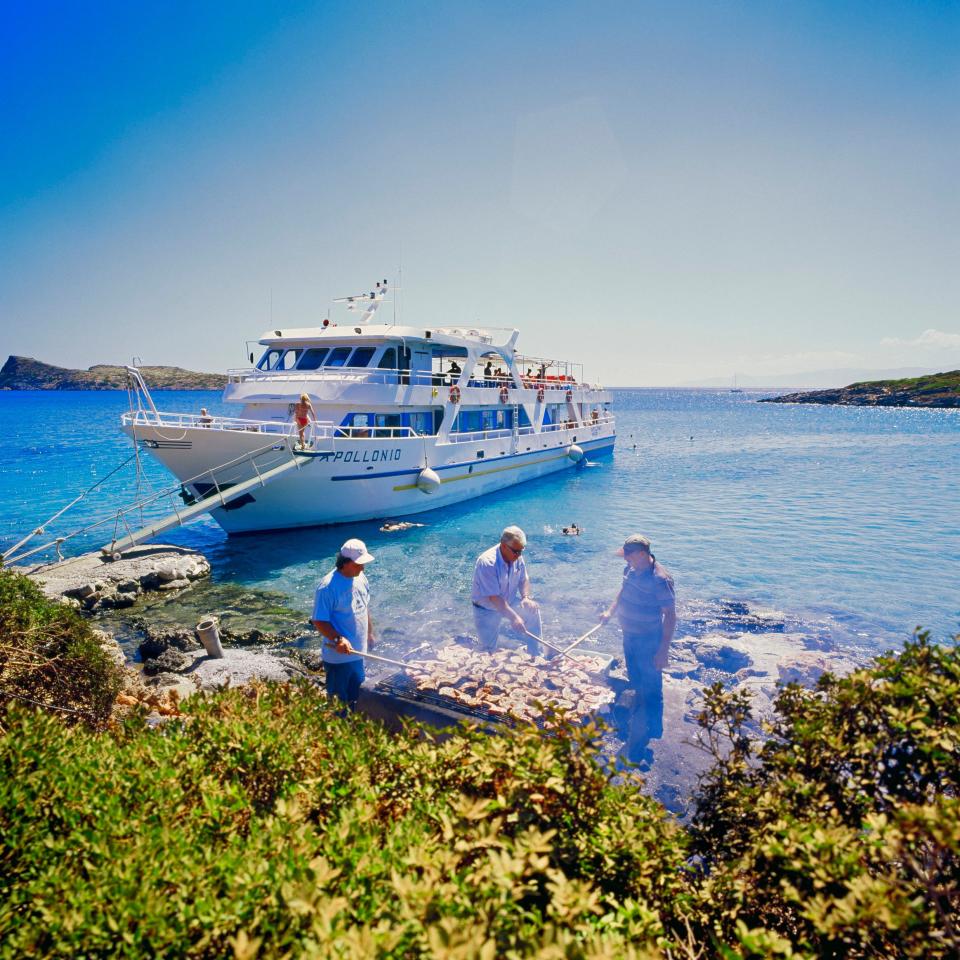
845,519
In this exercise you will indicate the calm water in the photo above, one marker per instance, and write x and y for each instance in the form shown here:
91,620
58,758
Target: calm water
845,517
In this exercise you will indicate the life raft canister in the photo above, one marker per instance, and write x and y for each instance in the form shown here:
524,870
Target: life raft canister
504,394
541,393
454,394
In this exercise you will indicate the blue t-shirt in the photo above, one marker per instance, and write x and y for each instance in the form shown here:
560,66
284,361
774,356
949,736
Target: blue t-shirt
343,602
494,577
643,597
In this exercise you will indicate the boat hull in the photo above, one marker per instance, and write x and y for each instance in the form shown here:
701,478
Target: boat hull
349,480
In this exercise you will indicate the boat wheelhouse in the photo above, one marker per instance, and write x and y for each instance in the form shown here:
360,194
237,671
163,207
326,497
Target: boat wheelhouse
409,418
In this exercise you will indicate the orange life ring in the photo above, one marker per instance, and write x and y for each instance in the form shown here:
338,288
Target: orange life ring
454,394
569,395
504,394
541,393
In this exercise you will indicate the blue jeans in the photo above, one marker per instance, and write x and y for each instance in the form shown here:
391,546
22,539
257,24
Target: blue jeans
646,719
489,623
343,681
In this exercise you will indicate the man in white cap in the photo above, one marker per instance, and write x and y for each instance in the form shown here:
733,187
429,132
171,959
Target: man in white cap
501,591
645,607
341,613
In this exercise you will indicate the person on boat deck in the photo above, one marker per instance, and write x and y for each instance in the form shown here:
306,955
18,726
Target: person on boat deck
341,614
646,609
499,580
455,367
488,370
205,418
302,413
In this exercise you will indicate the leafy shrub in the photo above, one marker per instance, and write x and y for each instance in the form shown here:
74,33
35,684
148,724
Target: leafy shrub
840,834
49,655
264,821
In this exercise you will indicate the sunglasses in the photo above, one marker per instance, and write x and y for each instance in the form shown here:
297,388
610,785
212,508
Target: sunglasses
514,550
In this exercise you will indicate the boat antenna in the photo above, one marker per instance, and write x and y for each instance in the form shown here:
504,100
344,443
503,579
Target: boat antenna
397,307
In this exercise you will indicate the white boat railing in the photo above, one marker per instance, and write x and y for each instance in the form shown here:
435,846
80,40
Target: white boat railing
472,435
392,377
144,418
315,430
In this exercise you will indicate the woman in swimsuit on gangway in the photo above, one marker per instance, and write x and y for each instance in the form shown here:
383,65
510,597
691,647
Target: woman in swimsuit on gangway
303,412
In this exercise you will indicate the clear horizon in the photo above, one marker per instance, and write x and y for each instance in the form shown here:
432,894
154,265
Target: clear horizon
704,191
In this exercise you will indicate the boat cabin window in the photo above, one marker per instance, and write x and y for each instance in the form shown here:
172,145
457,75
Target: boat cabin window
426,423
552,413
362,356
313,358
473,421
387,425
338,357
275,359
389,359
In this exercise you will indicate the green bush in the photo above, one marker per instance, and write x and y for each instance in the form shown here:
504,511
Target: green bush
266,821
49,655
840,832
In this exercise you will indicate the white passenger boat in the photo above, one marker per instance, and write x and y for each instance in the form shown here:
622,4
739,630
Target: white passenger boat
409,418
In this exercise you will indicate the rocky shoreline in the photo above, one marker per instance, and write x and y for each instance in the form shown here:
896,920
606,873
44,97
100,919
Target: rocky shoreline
937,390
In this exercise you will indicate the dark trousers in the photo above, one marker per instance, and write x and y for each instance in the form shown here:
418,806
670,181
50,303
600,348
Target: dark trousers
343,681
646,719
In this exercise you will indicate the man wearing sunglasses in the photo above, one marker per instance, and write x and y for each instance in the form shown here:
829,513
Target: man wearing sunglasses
501,591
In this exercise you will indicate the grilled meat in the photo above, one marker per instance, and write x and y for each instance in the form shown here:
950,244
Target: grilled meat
510,682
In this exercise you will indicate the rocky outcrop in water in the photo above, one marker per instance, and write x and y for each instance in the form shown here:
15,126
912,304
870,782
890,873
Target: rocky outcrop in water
92,582
25,373
936,390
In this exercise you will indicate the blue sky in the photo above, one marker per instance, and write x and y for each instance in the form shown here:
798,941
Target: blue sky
665,191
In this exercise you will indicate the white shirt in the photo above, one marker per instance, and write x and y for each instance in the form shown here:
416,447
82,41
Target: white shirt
494,577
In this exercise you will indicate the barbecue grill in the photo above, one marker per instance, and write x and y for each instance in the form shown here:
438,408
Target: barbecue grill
402,687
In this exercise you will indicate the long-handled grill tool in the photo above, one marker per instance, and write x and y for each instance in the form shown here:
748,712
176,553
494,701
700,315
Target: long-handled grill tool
373,656
551,646
589,633
597,677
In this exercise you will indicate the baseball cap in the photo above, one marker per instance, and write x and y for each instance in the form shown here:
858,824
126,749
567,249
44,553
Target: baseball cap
355,550
636,541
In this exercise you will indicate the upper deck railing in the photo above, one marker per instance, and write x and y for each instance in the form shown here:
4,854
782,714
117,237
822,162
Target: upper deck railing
351,375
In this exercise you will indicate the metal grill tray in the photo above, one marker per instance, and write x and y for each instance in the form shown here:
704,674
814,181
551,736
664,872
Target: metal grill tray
401,686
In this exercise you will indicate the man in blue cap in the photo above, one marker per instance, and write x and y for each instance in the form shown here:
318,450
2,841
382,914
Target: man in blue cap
341,613
646,609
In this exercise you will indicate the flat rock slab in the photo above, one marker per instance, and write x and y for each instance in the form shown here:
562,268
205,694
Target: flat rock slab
92,582
194,670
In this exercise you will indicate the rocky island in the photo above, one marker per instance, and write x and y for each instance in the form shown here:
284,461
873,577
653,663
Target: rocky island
935,390
25,373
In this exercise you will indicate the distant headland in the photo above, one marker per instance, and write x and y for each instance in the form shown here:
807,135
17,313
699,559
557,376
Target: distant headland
25,373
935,390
